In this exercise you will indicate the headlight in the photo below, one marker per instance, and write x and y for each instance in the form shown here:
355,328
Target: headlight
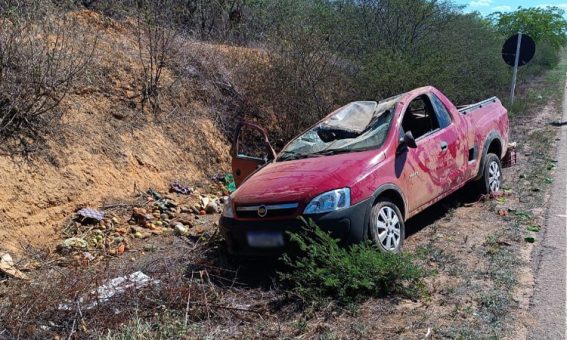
227,208
329,201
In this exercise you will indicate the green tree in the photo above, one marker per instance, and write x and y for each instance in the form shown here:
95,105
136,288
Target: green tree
543,24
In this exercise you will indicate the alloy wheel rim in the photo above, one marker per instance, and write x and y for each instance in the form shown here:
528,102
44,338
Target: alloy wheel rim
388,228
494,177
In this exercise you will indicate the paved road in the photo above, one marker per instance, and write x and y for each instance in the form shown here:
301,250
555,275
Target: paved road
548,306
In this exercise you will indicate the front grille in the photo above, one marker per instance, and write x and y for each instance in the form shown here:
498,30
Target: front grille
271,210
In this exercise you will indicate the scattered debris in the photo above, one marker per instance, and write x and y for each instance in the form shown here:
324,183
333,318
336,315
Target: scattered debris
227,179
72,243
529,239
180,229
88,213
7,267
534,228
112,287
156,214
180,189
503,212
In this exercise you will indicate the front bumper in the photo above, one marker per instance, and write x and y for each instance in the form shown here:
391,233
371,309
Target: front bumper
347,225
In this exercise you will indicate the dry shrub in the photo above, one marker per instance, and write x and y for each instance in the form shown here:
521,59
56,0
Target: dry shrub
188,285
40,59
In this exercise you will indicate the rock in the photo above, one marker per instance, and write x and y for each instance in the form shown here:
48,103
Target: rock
205,201
195,210
139,212
186,219
164,216
180,229
186,210
212,208
141,235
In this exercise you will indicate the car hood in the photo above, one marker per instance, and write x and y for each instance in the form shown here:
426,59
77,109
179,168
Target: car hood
301,180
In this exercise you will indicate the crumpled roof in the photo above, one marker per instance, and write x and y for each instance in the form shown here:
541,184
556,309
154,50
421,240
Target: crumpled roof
353,117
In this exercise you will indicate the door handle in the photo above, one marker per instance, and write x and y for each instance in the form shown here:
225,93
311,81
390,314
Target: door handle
444,146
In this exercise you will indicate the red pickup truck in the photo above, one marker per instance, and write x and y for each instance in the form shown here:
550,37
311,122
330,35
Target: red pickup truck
363,170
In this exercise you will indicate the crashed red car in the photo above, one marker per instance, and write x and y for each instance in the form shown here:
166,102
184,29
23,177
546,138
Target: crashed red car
364,170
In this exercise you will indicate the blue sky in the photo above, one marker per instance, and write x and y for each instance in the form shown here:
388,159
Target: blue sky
488,6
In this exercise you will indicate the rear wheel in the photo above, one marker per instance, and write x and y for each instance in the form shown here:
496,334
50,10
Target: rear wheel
491,181
387,228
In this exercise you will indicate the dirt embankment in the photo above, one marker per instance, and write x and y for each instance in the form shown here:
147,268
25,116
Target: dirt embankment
107,143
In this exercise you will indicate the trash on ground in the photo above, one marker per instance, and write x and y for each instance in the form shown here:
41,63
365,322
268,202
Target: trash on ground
89,213
535,228
7,267
529,239
227,180
73,243
180,189
112,287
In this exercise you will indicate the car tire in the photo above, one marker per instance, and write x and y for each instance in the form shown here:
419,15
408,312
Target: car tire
387,228
491,180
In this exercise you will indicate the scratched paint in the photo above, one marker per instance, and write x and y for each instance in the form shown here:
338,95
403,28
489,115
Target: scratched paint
424,174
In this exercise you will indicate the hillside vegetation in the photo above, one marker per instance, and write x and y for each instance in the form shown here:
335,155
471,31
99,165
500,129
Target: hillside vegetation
97,97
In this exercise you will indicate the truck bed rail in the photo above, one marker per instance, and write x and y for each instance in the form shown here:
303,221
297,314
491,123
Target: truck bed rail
468,108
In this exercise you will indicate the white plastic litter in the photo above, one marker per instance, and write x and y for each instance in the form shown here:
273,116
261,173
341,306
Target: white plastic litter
112,287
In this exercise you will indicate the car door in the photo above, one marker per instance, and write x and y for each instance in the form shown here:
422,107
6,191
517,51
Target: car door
251,150
420,167
452,158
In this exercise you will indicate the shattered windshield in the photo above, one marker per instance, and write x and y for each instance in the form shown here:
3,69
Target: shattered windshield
357,126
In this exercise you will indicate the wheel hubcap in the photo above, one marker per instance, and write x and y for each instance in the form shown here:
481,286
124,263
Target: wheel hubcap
494,177
388,228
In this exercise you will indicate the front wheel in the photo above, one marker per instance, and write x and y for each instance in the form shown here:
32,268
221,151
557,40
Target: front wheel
387,228
491,181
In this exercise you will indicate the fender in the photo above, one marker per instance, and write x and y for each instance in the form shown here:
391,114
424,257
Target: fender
493,135
372,199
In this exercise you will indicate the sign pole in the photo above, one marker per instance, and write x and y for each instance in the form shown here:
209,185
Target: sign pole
513,87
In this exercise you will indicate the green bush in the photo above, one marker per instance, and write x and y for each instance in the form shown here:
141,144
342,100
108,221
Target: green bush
324,270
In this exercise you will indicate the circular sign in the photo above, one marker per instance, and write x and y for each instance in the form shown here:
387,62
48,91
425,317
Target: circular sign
527,50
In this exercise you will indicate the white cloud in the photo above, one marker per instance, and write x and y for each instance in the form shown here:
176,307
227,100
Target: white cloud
562,6
480,3
502,8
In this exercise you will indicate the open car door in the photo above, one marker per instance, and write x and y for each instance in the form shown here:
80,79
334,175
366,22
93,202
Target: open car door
250,151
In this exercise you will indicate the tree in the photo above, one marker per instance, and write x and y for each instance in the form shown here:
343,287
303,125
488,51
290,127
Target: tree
542,24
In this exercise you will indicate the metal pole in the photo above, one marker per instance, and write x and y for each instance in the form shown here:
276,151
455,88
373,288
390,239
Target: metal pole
513,87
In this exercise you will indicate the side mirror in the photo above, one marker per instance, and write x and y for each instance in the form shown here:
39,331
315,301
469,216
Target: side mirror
408,140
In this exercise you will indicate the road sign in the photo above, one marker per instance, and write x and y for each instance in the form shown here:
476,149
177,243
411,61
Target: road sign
518,50
527,49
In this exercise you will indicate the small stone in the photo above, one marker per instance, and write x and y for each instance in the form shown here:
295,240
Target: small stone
180,229
185,219
163,216
185,210
212,208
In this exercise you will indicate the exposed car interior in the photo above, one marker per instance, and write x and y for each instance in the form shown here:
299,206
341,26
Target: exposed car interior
420,117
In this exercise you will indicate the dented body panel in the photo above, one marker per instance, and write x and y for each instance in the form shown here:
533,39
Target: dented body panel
444,160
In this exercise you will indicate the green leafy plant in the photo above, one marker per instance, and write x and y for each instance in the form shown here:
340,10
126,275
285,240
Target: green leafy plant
324,270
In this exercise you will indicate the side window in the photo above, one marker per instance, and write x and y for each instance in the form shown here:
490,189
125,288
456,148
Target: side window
443,115
420,117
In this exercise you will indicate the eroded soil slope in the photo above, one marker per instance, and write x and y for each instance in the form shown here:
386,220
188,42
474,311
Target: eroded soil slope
107,143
